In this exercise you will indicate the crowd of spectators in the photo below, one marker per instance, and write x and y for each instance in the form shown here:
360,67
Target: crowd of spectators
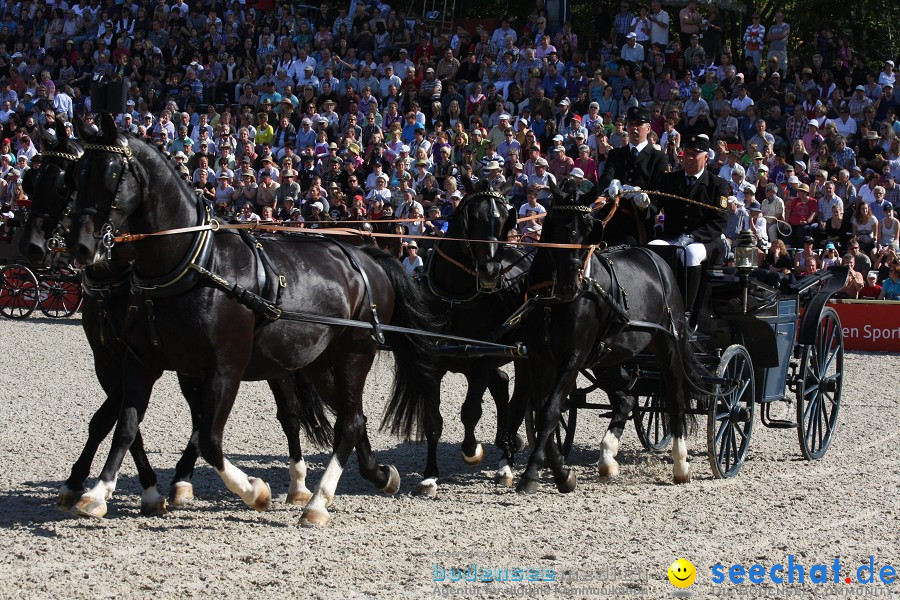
286,112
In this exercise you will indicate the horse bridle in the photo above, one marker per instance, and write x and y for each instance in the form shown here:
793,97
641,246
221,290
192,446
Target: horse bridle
495,229
61,190
585,272
112,180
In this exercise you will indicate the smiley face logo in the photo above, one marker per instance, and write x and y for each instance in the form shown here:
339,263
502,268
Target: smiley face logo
682,573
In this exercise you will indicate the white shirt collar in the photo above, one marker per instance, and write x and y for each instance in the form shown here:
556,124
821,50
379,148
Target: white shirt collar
640,147
697,176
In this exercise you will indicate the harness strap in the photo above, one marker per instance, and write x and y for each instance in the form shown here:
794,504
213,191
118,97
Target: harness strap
260,305
453,261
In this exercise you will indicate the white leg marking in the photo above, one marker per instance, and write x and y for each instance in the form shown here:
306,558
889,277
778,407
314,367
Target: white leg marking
238,482
476,458
681,468
102,490
298,478
427,487
152,496
609,447
504,474
325,492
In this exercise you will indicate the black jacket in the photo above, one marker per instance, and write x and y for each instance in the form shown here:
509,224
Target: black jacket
644,171
705,225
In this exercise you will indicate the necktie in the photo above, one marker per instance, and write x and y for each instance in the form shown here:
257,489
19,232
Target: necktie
691,180
634,152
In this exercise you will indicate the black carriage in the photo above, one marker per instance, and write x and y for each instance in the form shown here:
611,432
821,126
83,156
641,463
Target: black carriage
760,345
54,288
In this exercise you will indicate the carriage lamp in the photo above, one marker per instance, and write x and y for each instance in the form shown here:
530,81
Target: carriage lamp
745,252
745,262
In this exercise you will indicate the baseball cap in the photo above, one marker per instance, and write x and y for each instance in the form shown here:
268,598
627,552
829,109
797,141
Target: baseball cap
576,172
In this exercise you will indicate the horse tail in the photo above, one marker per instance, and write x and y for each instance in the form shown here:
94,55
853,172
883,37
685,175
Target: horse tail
311,412
693,371
414,364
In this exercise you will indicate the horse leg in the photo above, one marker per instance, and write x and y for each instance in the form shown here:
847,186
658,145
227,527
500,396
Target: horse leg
562,475
137,385
287,402
622,405
670,358
434,426
385,477
181,491
219,392
512,442
349,428
100,425
548,418
470,414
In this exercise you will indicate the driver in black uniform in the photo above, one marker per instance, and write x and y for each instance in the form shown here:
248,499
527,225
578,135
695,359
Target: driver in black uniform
639,165
697,229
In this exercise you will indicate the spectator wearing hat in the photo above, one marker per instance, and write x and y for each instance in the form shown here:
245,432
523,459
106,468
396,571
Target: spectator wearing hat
871,290
541,180
738,219
695,228
802,212
639,164
223,193
559,164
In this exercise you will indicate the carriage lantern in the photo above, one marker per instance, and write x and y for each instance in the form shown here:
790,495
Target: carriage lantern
745,260
745,252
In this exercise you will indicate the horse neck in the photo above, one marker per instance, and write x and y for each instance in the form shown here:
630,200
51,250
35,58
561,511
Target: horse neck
446,275
165,204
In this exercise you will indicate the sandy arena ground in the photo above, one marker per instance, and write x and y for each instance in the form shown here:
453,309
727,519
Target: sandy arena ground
606,540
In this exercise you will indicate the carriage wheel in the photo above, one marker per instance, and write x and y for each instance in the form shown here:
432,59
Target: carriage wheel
730,414
60,293
18,291
819,393
565,431
652,426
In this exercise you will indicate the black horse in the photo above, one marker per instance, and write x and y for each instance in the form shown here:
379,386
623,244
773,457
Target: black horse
477,284
103,314
600,311
190,311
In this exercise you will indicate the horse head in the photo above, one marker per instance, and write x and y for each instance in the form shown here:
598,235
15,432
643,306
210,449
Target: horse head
484,217
108,187
49,189
569,221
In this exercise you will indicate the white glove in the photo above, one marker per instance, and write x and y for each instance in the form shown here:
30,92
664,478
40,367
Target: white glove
614,189
641,200
684,240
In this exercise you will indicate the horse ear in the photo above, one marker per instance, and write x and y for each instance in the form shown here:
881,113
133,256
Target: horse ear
108,131
483,185
590,196
467,184
507,187
81,128
557,193
509,224
62,136
47,138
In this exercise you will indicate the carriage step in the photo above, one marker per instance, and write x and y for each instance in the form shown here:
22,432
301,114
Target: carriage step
779,424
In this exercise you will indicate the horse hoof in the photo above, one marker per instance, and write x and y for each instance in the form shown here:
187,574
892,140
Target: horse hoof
520,443
567,486
182,494
476,458
67,498
608,471
263,494
154,509
88,506
300,498
503,479
684,478
393,484
528,485
314,517
427,488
